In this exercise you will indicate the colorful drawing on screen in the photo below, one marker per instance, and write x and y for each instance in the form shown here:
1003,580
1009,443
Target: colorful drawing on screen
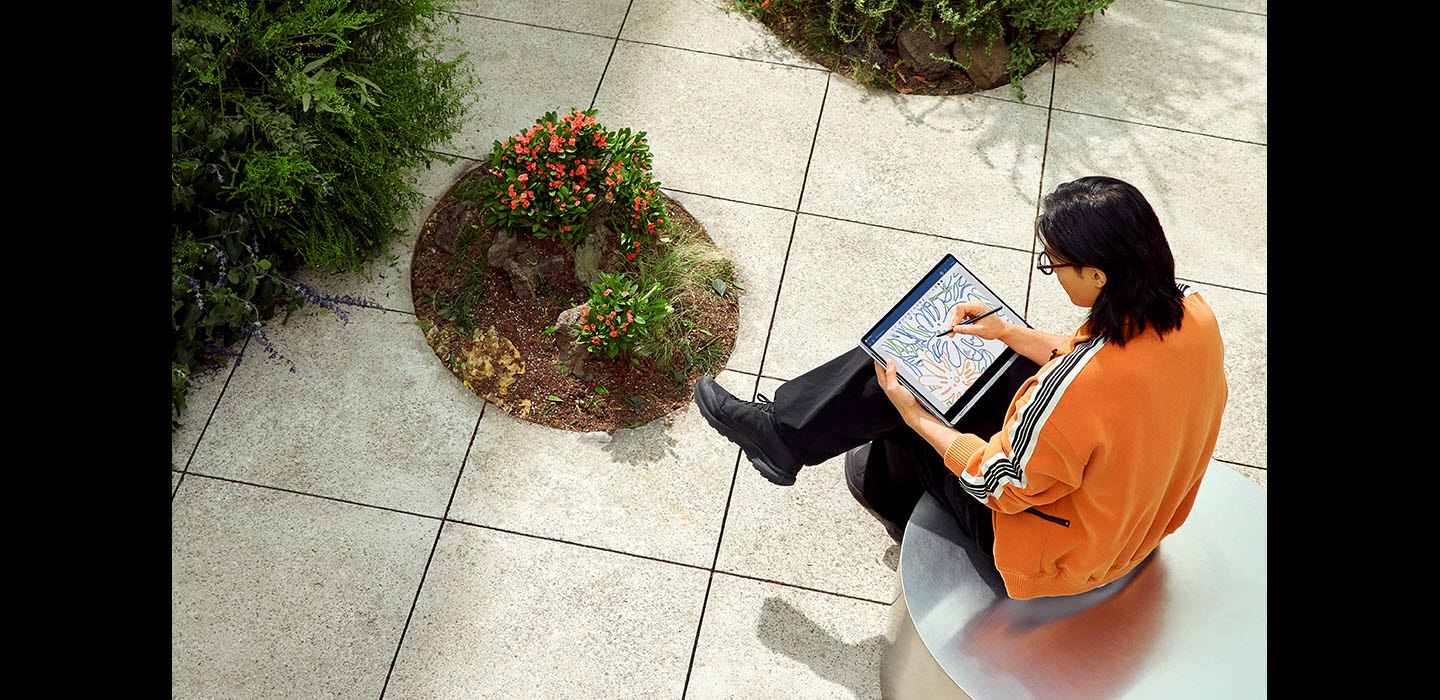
945,366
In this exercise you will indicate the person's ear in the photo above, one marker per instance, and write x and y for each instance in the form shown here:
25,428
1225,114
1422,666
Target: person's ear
1097,277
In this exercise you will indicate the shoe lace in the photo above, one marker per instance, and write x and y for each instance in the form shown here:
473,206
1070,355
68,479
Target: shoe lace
763,403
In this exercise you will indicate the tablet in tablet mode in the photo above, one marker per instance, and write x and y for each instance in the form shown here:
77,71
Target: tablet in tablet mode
947,374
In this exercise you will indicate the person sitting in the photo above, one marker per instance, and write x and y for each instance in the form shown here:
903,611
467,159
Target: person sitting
1088,452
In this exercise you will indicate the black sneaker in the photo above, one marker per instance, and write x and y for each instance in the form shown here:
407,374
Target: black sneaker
855,479
751,425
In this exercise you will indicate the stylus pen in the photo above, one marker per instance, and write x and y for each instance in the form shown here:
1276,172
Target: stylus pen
967,322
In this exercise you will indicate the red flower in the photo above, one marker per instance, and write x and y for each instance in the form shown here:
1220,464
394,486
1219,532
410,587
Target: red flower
594,341
614,333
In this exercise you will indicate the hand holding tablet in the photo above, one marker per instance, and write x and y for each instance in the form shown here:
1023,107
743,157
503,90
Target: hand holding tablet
947,377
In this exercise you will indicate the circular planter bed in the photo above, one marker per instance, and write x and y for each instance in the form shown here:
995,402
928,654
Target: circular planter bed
502,342
908,61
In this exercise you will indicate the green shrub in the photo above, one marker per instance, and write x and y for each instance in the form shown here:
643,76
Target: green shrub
294,126
618,315
692,271
564,176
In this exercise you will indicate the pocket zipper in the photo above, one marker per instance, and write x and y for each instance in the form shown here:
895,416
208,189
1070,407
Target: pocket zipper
1058,521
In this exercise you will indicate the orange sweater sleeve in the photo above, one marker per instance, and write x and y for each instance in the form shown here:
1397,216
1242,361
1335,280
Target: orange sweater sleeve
1010,481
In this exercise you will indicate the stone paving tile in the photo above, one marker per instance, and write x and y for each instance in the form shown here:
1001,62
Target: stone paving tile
276,594
601,17
812,533
962,167
524,72
1259,7
756,239
370,415
712,26
1172,64
1244,323
761,640
506,616
1215,217
1034,88
716,125
842,277
657,491
200,400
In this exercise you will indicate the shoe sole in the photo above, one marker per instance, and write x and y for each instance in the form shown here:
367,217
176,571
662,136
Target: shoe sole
766,469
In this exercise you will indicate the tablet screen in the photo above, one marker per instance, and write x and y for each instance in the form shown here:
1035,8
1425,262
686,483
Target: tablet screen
947,374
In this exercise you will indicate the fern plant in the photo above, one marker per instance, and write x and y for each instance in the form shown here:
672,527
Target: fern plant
294,125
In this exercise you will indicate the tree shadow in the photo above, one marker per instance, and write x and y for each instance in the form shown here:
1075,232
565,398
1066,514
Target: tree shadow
645,444
856,667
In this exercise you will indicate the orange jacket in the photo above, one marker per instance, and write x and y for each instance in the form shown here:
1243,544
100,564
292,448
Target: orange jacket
1101,455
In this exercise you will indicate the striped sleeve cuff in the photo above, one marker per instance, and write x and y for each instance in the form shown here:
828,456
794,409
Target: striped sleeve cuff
957,456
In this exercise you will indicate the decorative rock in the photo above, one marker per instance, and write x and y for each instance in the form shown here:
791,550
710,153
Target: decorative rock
588,255
569,320
507,246
510,254
916,47
548,267
864,52
986,70
524,279
459,218
573,354
492,360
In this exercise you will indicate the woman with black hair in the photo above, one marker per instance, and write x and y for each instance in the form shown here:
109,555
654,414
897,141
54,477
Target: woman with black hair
1090,450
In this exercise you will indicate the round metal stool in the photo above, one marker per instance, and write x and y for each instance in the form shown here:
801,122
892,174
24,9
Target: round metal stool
1189,622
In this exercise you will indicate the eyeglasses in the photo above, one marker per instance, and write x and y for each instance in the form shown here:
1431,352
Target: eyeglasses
1048,268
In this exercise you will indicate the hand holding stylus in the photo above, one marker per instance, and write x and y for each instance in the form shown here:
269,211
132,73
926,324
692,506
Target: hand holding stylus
966,322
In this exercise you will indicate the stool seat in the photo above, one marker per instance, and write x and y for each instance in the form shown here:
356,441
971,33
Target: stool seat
1191,621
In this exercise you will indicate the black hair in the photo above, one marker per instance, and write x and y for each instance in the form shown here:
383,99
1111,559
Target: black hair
1106,223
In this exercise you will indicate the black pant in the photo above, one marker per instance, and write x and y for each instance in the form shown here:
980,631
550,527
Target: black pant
840,405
